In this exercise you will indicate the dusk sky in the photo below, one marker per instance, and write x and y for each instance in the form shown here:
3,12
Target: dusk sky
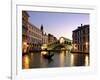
58,24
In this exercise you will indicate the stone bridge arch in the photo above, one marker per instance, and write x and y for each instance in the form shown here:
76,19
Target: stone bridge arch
61,43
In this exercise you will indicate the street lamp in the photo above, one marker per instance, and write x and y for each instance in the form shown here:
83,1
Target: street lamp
86,43
74,46
25,43
25,46
86,46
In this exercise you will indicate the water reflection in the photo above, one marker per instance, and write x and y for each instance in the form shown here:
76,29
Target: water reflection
25,61
79,60
72,59
86,60
60,59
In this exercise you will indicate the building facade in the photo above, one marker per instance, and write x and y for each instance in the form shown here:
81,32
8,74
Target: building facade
81,39
25,17
32,36
45,38
44,35
51,38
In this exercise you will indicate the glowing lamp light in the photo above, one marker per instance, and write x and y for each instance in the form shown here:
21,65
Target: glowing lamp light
25,46
25,43
44,46
43,52
74,46
86,43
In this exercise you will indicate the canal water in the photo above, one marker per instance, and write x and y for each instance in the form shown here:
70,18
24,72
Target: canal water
60,59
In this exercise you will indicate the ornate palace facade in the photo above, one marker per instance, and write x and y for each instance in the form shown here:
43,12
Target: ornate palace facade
81,39
32,36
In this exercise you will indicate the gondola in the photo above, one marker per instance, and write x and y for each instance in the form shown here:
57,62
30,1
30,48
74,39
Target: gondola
48,56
